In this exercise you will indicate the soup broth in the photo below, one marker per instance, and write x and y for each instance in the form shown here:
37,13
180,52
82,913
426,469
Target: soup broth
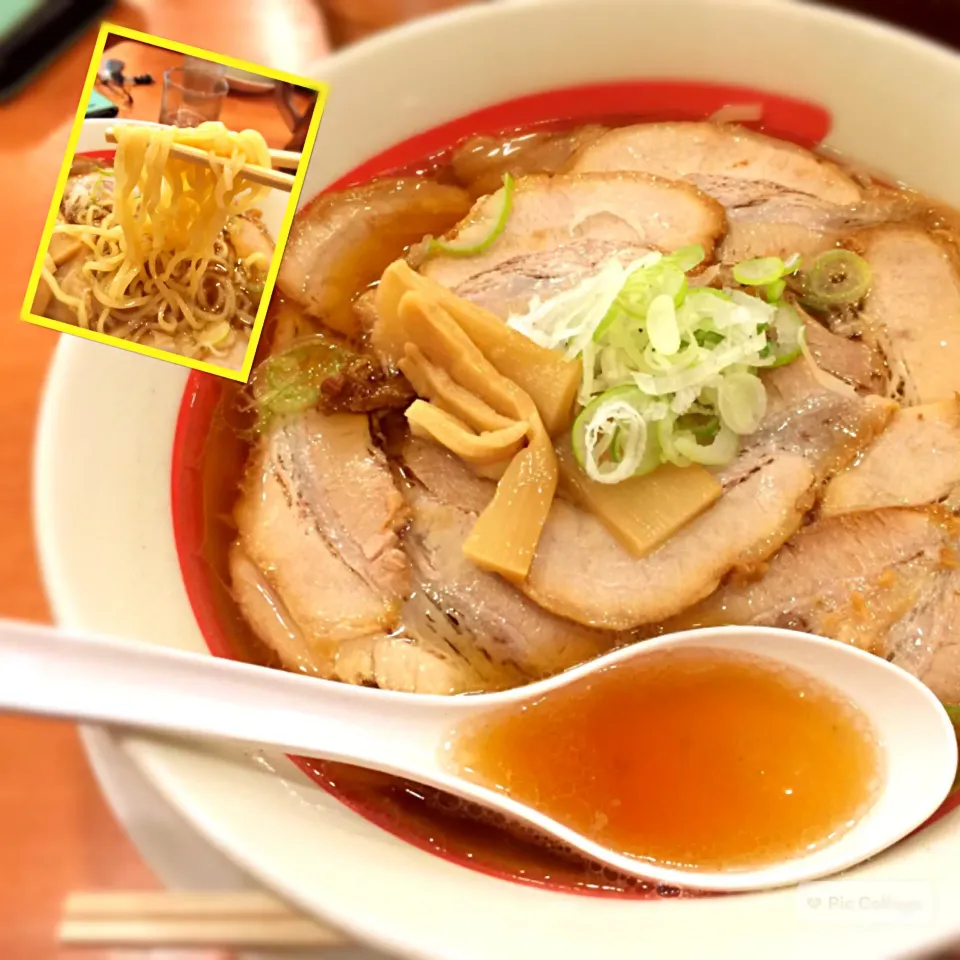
691,759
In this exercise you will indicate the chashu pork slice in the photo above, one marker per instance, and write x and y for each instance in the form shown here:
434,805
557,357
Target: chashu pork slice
780,199
850,360
317,559
407,664
915,461
809,432
480,162
769,221
912,310
517,638
887,581
510,286
417,659
343,240
717,158
580,572
506,637
549,214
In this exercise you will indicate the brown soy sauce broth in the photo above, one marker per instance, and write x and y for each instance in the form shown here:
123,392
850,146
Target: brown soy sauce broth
688,758
430,819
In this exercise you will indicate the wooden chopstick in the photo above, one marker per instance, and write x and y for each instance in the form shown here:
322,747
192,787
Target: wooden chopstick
285,159
258,174
240,920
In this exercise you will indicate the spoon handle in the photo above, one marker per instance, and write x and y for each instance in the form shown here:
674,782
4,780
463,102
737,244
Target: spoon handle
96,679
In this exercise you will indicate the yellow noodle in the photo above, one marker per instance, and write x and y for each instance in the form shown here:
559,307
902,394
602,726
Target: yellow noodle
57,291
156,239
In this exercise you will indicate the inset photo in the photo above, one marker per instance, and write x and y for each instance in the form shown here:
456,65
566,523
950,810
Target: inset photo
174,202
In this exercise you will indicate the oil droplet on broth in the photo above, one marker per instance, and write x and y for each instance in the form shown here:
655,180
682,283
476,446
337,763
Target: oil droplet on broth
696,759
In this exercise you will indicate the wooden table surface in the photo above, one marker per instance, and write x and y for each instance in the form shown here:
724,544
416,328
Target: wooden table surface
56,833
240,111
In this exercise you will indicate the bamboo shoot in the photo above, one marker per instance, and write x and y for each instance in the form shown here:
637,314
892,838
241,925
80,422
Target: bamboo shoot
550,381
436,385
430,422
642,513
505,536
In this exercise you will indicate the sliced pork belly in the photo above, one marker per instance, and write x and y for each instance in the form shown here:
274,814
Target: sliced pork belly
580,572
915,461
912,312
272,622
850,360
416,660
406,664
343,241
548,213
479,163
317,545
751,235
510,286
887,581
500,632
716,158
769,221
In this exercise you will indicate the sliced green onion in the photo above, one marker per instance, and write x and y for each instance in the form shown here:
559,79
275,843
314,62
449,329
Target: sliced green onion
774,291
213,335
616,445
652,455
666,438
610,317
722,449
702,425
289,382
458,248
709,292
836,278
759,272
662,325
669,370
742,402
569,320
615,417
707,338
645,283
786,331
686,258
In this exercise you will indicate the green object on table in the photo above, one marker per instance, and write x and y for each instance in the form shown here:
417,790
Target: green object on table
14,12
101,106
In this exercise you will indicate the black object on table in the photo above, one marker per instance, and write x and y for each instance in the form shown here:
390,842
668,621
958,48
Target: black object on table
936,19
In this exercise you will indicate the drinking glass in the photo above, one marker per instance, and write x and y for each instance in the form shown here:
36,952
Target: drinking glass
198,63
191,96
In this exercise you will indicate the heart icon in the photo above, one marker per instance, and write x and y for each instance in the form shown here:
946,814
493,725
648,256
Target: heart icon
814,902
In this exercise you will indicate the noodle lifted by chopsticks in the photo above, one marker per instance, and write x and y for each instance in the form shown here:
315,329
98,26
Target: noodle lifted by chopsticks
159,258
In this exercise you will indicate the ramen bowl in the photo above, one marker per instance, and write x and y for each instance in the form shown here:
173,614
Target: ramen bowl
119,508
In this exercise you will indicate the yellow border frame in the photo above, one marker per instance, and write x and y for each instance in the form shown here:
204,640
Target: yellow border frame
244,373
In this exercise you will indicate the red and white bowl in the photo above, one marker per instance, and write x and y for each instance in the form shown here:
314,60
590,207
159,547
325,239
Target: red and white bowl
116,483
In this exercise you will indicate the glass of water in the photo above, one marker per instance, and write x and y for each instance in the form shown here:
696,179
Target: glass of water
191,96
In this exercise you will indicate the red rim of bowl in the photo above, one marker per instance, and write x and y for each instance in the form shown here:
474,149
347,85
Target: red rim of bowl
798,121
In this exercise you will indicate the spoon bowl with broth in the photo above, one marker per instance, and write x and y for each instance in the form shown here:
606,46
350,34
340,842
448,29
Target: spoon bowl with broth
731,758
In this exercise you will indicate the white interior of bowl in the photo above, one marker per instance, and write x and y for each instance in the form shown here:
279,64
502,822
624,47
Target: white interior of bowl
102,483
